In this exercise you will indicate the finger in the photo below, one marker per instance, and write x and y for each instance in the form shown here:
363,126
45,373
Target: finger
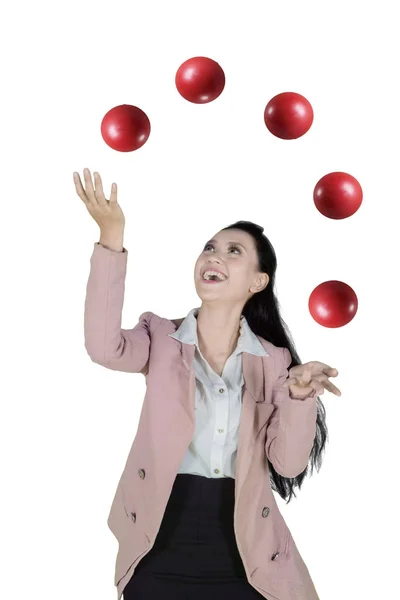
294,381
89,187
323,380
294,386
113,197
328,384
330,371
305,377
331,388
79,188
98,191
298,370
318,386
289,381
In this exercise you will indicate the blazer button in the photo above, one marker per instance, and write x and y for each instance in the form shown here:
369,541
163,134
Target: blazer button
133,515
141,473
265,511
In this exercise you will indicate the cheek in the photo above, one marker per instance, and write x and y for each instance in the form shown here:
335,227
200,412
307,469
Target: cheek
237,272
196,270
239,278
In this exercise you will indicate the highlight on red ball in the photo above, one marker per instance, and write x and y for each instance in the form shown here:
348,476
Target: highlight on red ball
288,115
333,304
125,128
338,195
200,80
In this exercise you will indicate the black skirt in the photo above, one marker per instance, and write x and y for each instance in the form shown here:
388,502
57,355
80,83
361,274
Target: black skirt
195,555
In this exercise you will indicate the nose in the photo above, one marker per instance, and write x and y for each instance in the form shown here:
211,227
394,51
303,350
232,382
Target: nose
214,262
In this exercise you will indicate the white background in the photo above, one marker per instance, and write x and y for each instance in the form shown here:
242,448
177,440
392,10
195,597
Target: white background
66,423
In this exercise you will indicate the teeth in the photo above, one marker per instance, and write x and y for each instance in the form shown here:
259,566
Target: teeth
208,274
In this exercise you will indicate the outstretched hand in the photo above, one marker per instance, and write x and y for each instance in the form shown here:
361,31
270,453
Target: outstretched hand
312,376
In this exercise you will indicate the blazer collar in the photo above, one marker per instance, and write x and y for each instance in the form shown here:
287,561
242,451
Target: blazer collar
247,342
256,372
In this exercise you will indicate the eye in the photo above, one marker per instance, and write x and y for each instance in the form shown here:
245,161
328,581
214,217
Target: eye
232,246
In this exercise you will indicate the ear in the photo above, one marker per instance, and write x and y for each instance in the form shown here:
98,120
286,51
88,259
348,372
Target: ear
260,283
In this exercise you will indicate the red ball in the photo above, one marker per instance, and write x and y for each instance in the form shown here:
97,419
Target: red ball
125,128
288,115
338,195
333,304
200,80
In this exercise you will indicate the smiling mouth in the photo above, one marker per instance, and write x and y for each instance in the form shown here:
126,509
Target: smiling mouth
214,279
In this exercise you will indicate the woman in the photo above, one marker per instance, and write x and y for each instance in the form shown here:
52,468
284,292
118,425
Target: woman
202,470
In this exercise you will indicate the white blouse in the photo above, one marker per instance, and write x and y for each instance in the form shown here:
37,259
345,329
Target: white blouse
218,403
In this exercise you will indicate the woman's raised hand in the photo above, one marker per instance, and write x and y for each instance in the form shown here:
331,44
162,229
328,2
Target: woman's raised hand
107,213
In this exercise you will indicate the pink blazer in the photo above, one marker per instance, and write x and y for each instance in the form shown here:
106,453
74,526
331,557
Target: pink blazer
272,425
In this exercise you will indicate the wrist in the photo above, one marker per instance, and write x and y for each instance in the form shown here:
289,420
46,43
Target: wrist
112,241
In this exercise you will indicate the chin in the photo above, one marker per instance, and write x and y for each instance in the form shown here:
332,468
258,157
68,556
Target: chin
205,294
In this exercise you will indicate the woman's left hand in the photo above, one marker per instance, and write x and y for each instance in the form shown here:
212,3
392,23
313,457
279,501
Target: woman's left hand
312,376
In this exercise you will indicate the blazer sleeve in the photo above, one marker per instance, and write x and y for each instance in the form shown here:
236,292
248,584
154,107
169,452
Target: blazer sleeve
105,342
291,429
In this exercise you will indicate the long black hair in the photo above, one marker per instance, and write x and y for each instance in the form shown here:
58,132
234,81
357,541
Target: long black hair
263,316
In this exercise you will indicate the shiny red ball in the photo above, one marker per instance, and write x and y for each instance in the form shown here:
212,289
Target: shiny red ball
125,128
288,115
338,195
333,304
200,80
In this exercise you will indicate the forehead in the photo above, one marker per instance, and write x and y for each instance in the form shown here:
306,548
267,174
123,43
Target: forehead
233,236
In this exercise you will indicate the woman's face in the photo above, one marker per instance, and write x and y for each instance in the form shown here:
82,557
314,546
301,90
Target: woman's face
233,253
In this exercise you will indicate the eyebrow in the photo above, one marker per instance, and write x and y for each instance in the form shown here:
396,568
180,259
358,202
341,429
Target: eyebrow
215,242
